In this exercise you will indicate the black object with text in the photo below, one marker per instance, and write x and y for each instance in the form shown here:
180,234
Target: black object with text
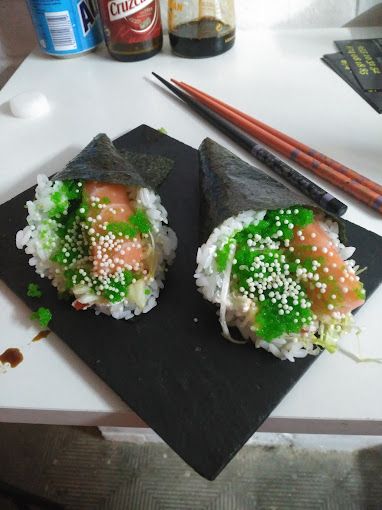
338,63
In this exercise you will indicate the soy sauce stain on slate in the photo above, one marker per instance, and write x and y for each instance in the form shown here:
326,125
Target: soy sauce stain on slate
13,356
41,335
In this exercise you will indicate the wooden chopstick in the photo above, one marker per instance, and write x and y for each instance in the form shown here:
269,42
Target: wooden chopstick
321,197
299,145
270,137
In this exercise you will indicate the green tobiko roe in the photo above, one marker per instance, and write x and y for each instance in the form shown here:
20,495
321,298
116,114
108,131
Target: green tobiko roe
73,244
138,223
268,227
61,198
361,293
261,257
42,315
270,325
116,290
70,211
34,290
222,256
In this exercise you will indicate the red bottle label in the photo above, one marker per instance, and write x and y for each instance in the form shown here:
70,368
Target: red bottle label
131,21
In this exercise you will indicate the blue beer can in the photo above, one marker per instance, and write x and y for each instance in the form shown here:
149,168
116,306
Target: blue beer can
66,28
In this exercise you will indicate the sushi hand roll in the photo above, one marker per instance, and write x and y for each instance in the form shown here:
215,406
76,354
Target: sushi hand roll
98,231
276,267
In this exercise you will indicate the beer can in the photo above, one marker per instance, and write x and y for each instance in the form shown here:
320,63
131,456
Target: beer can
66,28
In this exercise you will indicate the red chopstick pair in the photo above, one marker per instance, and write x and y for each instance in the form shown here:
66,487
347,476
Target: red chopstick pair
350,181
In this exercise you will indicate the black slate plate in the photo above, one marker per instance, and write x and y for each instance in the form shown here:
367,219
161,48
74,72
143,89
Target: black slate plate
203,395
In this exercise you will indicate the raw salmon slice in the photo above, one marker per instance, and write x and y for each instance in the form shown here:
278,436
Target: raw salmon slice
337,287
110,255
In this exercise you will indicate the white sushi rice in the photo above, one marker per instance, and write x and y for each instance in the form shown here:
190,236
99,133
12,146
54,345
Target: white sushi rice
40,240
240,311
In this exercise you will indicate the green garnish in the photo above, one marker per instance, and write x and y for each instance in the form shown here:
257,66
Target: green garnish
260,258
68,191
73,250
118,287
138,223
61,203
71,235
268,227
122,228
307,263
360,292
34,290
299,217
74,276
72,245
68,253
42,315
331,330
115,291
162,130
140,220
271,325
222,257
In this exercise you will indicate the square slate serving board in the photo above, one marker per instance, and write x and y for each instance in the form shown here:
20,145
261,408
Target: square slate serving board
203,395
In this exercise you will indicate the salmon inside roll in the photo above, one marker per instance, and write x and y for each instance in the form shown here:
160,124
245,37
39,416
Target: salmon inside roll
104,245
283,278
110,205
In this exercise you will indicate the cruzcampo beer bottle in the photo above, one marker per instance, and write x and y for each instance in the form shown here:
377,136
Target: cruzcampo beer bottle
201,28
132,28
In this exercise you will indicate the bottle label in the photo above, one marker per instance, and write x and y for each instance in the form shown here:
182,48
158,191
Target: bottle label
210,9
119,9
66,27
131,21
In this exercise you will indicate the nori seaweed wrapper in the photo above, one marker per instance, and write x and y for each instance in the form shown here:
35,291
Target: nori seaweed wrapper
101,161
153,169
230,186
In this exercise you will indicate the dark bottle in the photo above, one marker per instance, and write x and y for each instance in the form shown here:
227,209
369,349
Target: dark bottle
201,28
132,28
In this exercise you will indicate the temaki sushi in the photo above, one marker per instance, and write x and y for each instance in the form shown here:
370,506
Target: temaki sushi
98,231
276,265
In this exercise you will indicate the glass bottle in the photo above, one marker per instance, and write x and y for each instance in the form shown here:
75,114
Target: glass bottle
132,29
201,28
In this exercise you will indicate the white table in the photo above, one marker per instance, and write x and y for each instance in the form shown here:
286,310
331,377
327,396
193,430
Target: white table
276,76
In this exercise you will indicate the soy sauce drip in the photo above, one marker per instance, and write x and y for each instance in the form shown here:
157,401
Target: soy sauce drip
13,356
41,335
